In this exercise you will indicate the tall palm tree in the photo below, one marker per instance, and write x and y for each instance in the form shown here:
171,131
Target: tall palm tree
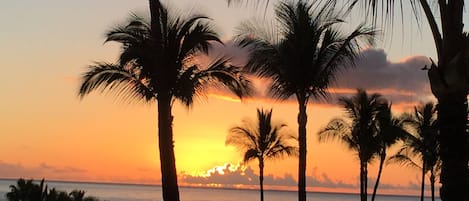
262,140
390,131
449,80
359,131
421,143
301,55
156,64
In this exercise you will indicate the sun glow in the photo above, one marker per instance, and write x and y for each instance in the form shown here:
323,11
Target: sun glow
225,169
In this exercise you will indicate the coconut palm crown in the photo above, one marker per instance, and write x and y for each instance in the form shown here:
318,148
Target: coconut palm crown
157,63
422,144
449,80
301,53
262,140
360,131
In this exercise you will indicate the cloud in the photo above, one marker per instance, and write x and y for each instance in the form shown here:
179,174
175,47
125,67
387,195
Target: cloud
10,170
232,176
402,81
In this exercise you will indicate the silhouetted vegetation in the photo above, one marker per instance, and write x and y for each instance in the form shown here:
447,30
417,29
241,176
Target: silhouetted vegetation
362,131
28,190
421,144
301,54
448,77
262,140
156,64
390,131
449,84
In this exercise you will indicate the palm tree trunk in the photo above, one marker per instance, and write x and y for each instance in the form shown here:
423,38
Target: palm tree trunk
166,146
302,119
261,177
363,180
380,170
432,183
422,187
452,116
452,106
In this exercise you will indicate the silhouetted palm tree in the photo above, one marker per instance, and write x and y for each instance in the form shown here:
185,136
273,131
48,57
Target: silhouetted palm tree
449,80
421,143
390,131
301,55
449,84
358,132
262,140
156,64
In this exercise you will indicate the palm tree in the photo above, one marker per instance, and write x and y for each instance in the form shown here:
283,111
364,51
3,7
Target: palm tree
449,83
301,55
421,143
359,131
391,130
262,140
448,80
156,64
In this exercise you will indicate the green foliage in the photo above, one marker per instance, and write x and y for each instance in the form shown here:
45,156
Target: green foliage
27,190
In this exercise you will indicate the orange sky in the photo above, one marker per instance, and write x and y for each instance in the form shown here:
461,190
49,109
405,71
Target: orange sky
46,131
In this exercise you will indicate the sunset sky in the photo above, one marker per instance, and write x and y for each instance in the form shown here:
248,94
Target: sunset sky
47,131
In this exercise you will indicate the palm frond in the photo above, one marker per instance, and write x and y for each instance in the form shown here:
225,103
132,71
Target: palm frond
124,81
262,139
250,154
198,38
342,51
403,160
222,74
337,130
134,30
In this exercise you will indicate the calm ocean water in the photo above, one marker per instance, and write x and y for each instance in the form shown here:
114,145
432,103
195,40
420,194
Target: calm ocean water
127,192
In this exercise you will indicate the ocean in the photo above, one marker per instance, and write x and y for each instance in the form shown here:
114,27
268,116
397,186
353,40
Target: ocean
132,192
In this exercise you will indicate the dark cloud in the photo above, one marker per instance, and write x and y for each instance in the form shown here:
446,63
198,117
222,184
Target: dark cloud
400,82
374,71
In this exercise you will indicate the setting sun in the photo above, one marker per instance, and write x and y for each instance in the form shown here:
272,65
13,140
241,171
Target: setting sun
95,92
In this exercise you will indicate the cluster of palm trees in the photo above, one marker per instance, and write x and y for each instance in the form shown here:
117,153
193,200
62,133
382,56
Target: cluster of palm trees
300,53
448,77
371,129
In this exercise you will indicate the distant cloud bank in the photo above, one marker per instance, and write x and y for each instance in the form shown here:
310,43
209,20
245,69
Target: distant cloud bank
246,177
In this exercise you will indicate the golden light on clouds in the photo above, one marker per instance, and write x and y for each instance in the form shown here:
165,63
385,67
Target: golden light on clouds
224,97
